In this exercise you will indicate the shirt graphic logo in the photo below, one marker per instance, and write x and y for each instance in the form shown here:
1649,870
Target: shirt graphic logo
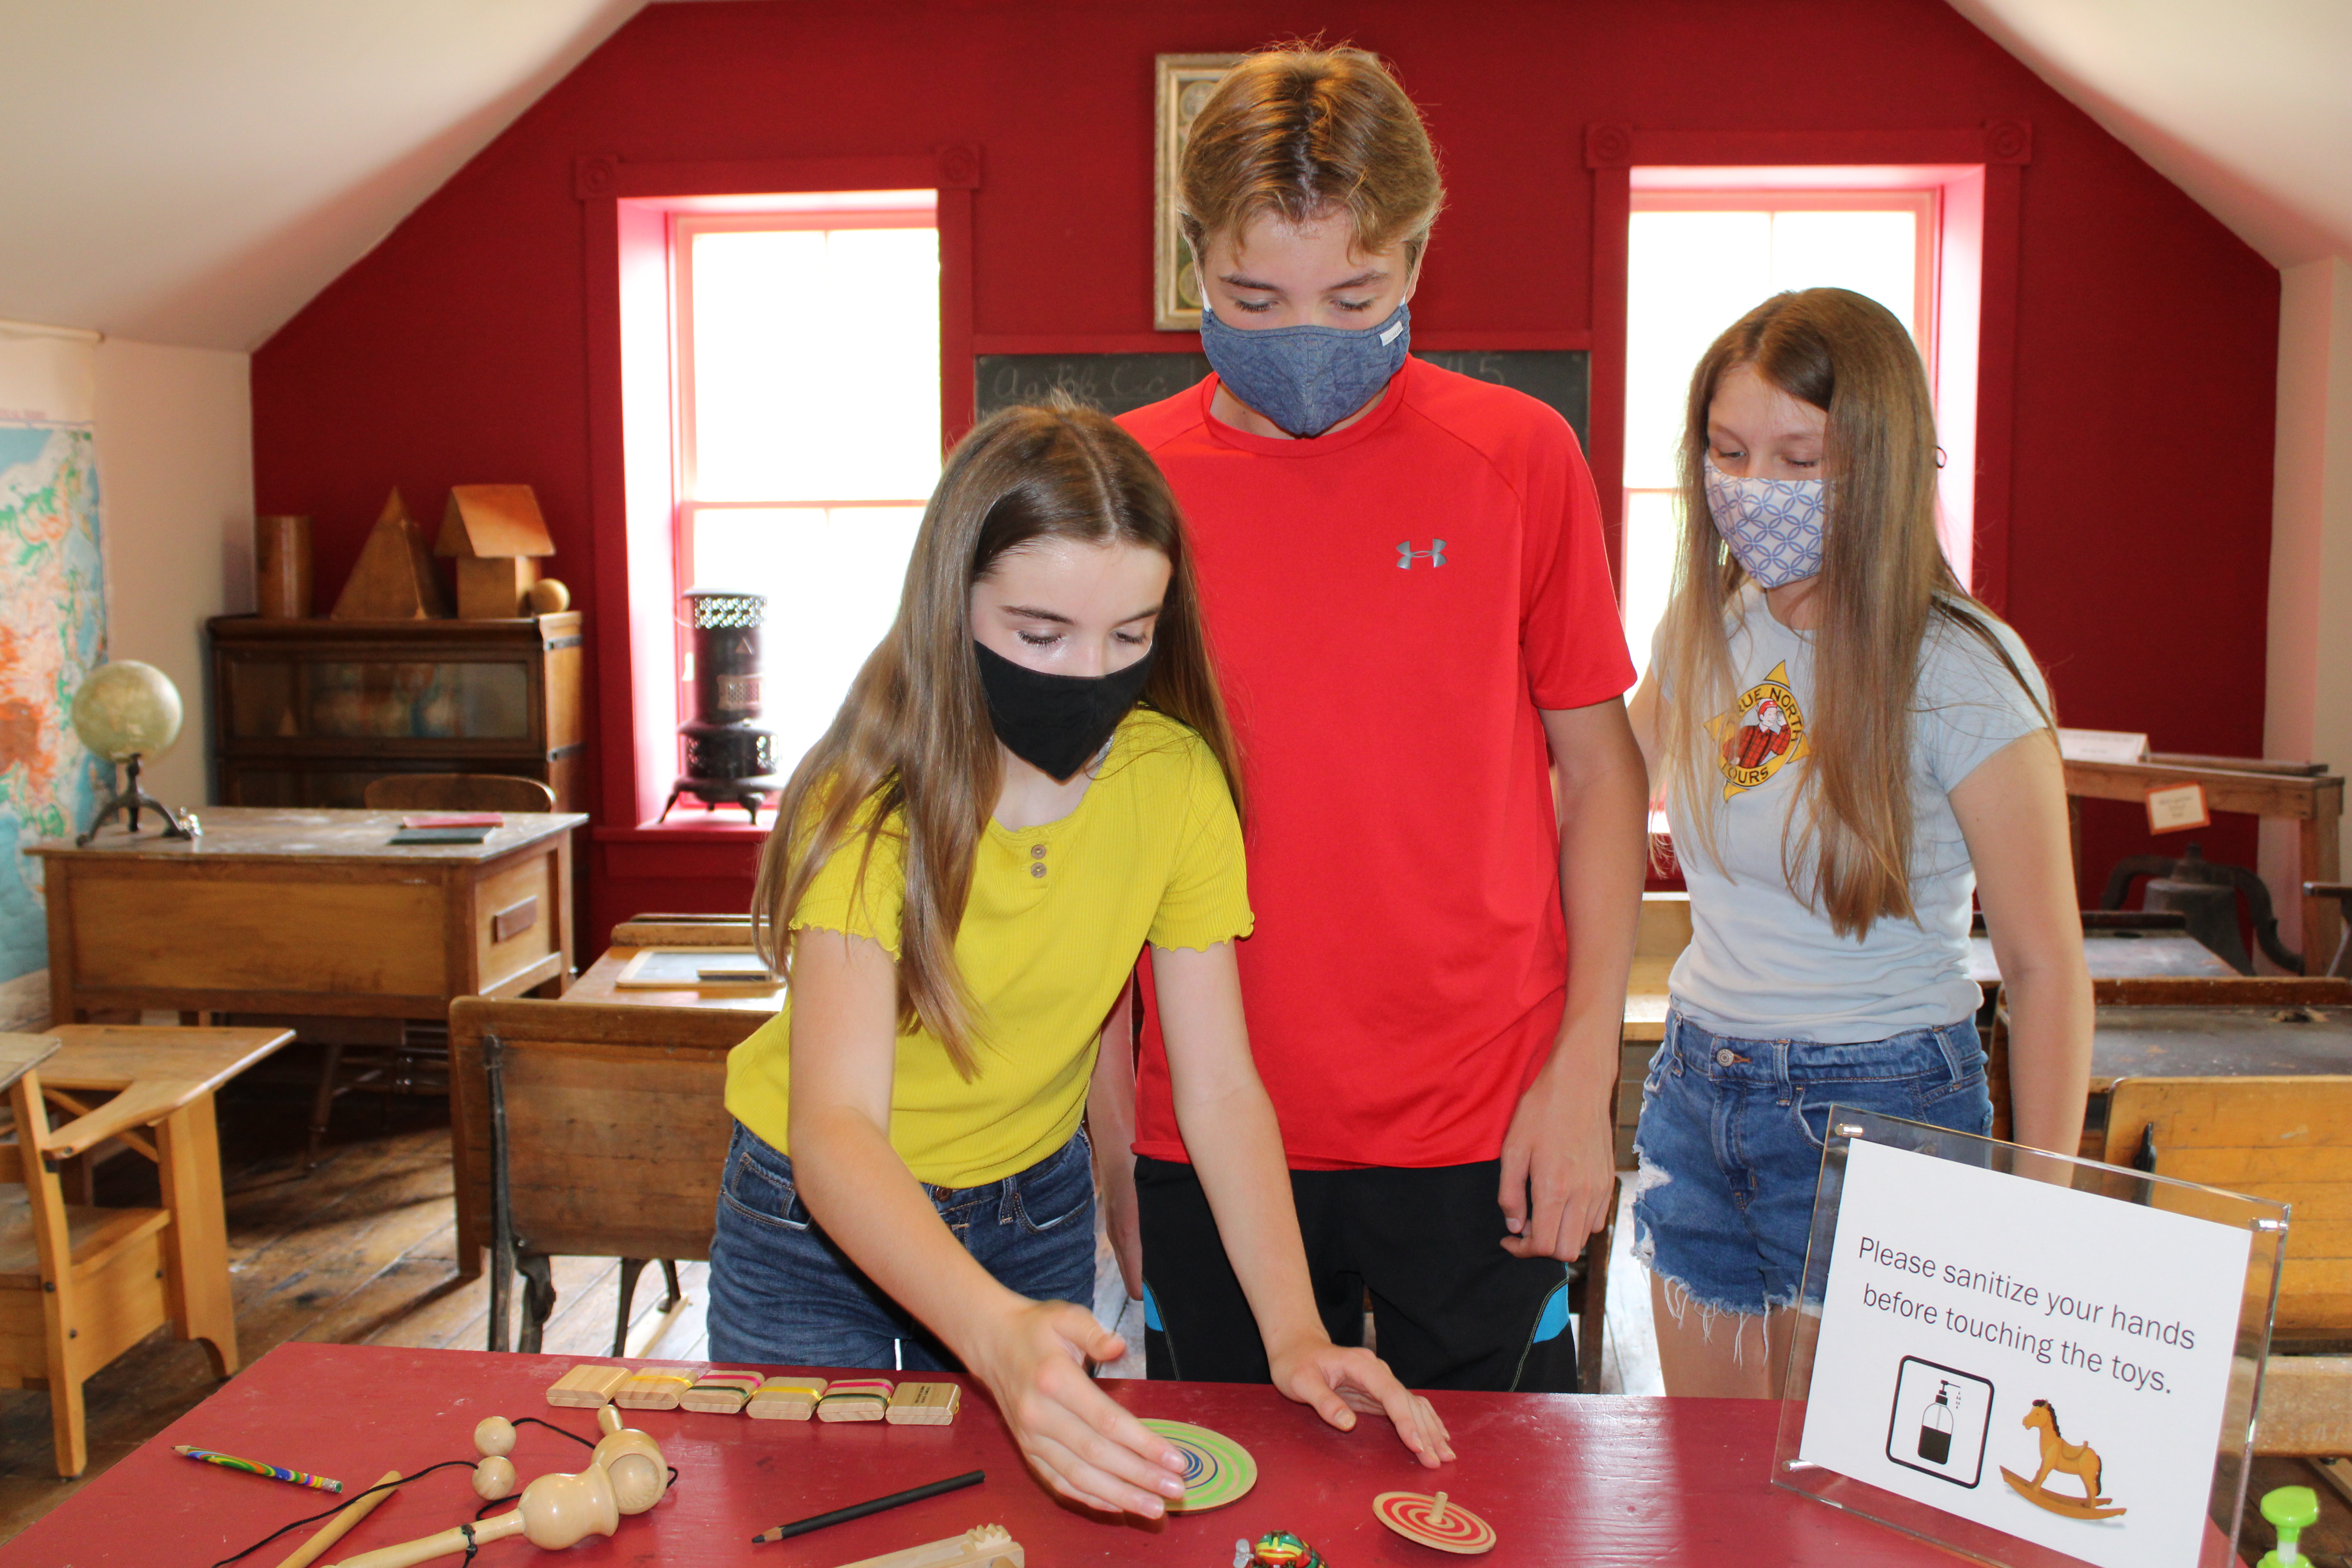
1763,733
1407,554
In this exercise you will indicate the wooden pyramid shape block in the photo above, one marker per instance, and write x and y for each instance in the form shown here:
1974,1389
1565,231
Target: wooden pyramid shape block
395,580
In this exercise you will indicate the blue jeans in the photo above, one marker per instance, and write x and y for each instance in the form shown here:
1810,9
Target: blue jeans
783,1293
1731,1137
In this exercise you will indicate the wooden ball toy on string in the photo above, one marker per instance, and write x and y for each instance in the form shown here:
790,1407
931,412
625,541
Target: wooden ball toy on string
628,1474
494,1439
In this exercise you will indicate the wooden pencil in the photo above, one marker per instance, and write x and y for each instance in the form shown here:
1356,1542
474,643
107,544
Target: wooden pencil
335,1528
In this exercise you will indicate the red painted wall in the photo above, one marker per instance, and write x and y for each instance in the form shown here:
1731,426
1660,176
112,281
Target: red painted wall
2147,333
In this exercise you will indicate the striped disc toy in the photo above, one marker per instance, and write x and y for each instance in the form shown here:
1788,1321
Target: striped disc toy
1416,1516
1217,1470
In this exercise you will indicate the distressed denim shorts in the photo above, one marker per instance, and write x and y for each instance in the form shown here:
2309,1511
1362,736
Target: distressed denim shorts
783,1292
1730,1146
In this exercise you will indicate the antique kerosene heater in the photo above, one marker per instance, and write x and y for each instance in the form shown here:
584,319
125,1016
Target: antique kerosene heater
730,756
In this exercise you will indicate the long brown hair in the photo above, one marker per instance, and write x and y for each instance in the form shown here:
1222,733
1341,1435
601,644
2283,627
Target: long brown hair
912,752
1300,130
1884,581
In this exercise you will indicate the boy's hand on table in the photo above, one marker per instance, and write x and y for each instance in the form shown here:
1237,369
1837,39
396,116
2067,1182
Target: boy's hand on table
1339,1381
1033,1358
1559,1169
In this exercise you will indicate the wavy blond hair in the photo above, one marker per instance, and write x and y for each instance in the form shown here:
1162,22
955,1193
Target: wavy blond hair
913,752
1884,582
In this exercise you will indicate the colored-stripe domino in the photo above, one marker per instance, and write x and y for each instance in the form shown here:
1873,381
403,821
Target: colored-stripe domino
785,1399
854,1399
657,1387
720,1392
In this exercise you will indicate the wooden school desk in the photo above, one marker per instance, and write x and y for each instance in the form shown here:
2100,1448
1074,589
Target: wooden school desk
600,984
308,913
1563,1478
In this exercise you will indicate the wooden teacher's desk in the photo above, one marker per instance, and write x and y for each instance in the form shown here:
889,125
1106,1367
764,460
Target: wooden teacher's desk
1597,1481
307,912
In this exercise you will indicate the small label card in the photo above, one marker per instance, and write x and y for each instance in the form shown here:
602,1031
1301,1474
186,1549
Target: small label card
2050,1362
2176,808
2102,746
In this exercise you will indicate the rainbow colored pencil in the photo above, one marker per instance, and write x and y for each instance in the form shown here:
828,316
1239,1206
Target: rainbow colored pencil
274,1472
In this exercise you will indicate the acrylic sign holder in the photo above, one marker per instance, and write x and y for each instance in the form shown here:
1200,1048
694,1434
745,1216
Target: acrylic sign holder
2232,1443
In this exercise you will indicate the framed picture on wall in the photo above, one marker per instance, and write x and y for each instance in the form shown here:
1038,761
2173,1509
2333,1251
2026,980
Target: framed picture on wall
1185,83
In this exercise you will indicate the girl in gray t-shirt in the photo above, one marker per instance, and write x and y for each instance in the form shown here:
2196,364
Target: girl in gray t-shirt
1849,747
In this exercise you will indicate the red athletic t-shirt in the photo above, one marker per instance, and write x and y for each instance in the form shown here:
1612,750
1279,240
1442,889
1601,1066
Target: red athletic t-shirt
1389,606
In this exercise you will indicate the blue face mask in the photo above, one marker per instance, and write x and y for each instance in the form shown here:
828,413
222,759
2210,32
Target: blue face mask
1306,379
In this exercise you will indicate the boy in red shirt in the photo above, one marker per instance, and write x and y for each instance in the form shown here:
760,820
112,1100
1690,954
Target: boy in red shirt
1404,583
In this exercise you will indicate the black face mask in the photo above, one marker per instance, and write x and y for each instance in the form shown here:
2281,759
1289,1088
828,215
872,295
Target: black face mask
1056,724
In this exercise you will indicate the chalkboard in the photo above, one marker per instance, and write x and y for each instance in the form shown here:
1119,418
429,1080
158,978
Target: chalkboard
1117,382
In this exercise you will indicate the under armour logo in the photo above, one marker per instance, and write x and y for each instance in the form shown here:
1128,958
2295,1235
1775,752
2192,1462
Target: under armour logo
1407,554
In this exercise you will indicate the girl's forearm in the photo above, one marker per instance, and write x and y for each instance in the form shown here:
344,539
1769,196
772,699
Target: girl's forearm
858,1188
1236,1149
2049,1055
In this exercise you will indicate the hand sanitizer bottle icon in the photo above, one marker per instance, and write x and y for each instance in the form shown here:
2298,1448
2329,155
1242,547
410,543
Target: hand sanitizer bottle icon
1935,1426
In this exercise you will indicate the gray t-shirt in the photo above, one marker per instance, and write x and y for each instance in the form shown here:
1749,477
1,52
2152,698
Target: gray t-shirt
1761,965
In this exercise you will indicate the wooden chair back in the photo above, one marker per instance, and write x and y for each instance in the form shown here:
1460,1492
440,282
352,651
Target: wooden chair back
458,792
616,1122
2285,1138
78,1286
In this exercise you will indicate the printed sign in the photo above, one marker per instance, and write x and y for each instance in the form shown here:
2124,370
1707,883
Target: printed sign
2175,808
2049,1362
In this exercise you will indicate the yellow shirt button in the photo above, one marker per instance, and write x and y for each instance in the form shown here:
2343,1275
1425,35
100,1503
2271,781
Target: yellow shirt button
1036,870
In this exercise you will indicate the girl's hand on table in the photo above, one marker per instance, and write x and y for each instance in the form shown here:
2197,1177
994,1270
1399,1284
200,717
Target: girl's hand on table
1033,1358
1339,1381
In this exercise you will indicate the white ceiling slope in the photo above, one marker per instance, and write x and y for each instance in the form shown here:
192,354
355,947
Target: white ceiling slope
194,173
2245,105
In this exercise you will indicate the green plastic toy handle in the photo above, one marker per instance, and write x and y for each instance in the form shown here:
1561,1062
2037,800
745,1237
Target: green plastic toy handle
2293,1510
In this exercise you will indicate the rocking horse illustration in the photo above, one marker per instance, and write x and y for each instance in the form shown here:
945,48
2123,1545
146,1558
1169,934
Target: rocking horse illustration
2077,1459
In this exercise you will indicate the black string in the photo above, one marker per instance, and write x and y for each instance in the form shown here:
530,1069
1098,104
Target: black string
313,1518
535,1421
382,1486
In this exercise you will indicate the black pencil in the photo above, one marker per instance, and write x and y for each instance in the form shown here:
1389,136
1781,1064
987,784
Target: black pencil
860,1510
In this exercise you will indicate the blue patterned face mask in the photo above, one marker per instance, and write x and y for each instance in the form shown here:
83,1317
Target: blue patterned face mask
1306,379
1773,526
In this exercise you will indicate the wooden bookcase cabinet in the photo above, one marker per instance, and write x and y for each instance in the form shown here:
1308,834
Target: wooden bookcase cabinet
308,713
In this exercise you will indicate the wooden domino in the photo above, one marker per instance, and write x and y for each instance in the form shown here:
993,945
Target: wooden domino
925,1403
785,1399
854,1399
657,1387
720,1392
586,1387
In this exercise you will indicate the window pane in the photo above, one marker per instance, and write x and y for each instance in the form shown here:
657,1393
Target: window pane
1689,276
831,580
816,364
1873,253
1652,530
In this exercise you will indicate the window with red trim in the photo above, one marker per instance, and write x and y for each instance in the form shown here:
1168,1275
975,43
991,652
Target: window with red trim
1707,246
806,395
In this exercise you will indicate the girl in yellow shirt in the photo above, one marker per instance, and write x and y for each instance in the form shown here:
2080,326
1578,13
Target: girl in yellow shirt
962,874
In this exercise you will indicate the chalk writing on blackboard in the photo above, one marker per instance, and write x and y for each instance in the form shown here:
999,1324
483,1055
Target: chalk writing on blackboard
1117,382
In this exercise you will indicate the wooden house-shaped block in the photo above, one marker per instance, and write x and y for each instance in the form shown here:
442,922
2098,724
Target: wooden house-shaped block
496,536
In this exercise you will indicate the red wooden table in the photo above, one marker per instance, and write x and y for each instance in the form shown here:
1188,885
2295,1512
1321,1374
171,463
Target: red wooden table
1600,1482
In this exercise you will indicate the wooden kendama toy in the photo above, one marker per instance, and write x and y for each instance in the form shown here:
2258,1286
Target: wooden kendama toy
626,1474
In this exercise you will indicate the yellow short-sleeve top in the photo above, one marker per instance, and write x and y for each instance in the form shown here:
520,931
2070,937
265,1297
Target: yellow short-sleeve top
1056,918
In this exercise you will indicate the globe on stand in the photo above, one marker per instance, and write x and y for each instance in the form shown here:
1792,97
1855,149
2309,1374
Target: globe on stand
124,712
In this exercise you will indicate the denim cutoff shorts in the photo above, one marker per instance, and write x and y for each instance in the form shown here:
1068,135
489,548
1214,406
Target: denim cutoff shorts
1730,1146
783,1293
